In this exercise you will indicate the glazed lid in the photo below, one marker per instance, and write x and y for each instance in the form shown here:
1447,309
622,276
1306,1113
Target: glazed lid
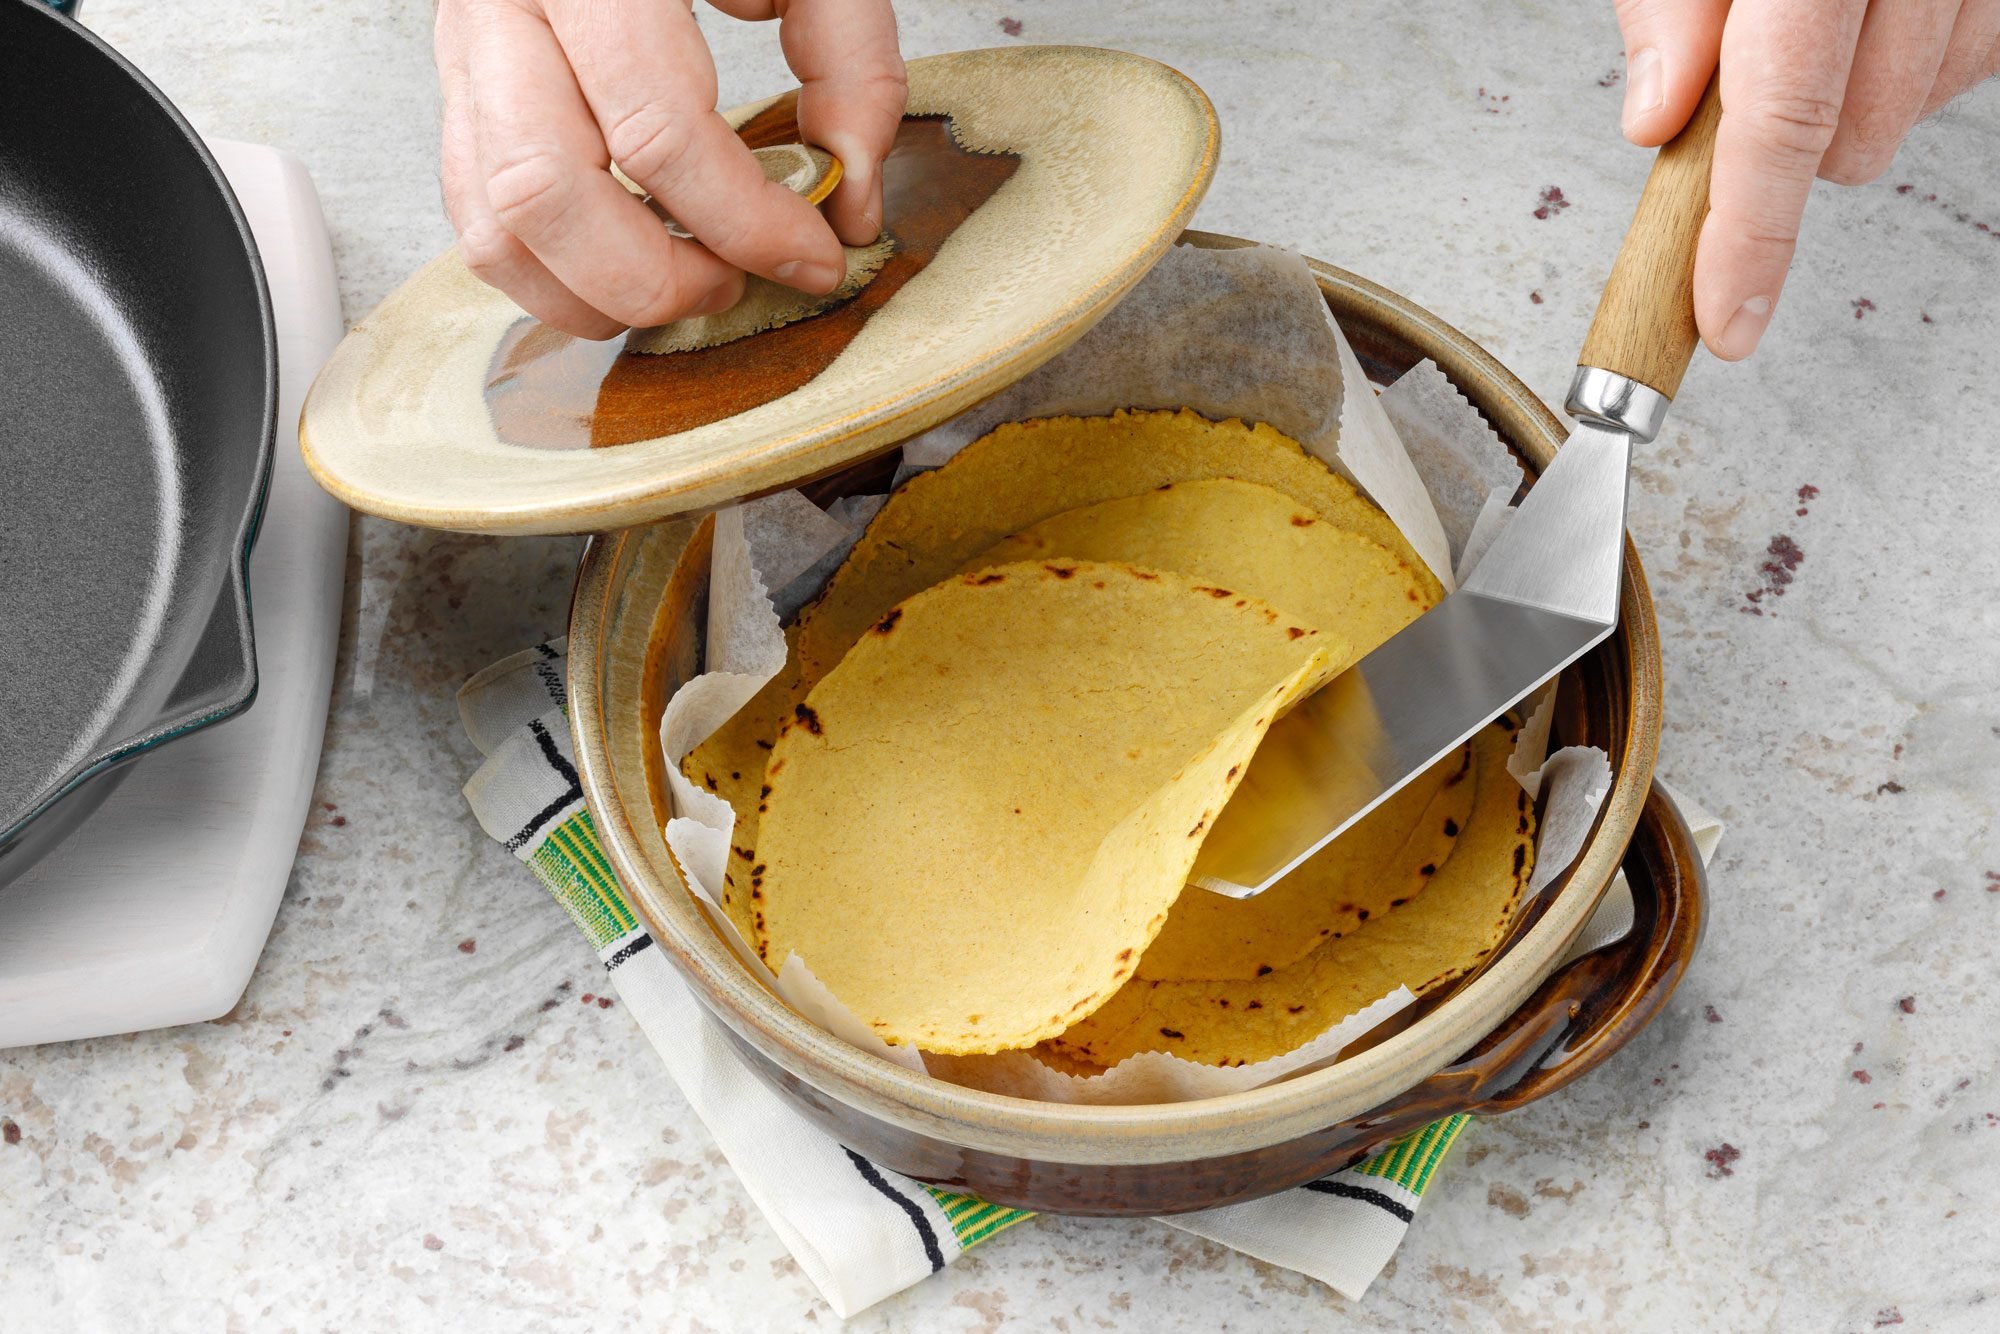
1029,189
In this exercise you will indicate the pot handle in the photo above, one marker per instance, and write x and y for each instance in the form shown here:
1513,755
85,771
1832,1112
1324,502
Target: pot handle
1589,1009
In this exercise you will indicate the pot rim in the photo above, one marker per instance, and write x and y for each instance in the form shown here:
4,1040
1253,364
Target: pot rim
1152,1133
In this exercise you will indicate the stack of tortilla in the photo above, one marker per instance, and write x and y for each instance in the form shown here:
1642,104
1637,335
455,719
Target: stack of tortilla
971,800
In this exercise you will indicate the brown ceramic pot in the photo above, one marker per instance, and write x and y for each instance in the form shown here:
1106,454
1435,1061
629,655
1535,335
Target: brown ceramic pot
1519,1029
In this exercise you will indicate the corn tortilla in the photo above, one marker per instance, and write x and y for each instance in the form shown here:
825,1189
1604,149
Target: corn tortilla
730,763
1435,939
1024,472
978,820
1380,864
1240,535
1260,542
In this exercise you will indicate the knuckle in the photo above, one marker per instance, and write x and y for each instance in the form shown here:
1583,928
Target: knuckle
888,88
529,188
1793,123
649,143
1639,15
1862,152
658,298
487,249
1771,233
893,75
1765,226
745,229
1852,167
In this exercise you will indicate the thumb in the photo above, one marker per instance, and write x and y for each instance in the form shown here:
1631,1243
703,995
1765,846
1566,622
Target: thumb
1670,50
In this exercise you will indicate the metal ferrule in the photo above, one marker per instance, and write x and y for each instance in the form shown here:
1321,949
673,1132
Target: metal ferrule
1610,399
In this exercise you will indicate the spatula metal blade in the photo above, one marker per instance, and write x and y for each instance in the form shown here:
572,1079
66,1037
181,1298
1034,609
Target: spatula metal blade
1545,593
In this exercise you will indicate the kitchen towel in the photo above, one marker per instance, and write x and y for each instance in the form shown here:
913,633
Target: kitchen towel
859,1231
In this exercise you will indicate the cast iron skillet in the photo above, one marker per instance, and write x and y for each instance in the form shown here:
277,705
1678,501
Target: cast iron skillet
138,388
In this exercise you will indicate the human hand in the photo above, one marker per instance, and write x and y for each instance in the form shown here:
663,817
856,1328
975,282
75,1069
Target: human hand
541,96
1825,88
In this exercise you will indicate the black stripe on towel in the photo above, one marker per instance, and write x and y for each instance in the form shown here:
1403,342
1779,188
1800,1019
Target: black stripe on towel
564,770
552,682
553,755
1347,1191
923,1225
627,951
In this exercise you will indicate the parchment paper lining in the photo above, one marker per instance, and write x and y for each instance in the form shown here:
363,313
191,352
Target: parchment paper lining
1463,465
1228,333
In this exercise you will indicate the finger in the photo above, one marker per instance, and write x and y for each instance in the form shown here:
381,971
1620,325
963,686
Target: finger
1972,54
1895,63
851,98
544,166
493,253
645,70
1784,68
1670,50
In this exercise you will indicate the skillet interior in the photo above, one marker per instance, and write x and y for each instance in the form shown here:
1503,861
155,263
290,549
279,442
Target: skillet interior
137,391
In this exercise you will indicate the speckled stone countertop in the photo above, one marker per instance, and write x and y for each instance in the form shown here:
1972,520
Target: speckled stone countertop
409,1123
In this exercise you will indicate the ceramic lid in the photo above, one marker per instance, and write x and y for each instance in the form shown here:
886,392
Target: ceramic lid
1029,188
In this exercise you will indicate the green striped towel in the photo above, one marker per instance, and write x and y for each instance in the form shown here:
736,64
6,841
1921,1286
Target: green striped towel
859,1231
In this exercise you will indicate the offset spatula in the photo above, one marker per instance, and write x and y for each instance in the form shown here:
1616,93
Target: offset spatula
1544,594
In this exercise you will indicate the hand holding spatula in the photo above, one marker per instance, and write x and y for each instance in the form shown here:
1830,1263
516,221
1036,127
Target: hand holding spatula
1813,88
1543,595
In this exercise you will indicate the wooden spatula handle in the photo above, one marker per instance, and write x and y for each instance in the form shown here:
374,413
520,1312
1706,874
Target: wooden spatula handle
1644,328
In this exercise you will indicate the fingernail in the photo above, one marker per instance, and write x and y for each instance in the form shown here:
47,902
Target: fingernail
717,301
871,212
1745,327
807,275
1645,85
